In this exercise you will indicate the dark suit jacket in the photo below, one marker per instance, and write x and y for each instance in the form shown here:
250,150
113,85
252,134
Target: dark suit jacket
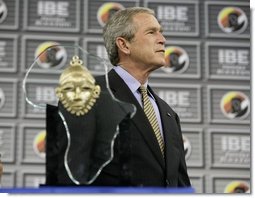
143,164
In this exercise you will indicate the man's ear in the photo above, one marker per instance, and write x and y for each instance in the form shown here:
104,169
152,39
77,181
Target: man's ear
123,45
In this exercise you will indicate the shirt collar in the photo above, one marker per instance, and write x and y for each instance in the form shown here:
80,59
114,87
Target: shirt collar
131,82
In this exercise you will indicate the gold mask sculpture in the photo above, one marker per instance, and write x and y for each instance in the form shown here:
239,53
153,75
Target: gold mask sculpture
77,90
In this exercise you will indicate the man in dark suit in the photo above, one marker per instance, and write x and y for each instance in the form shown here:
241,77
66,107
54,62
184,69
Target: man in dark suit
135,45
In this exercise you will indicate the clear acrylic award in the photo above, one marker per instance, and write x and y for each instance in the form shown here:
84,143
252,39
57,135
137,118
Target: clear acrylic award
83,121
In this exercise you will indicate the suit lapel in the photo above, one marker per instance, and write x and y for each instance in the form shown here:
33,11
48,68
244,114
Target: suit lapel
170,129
123,93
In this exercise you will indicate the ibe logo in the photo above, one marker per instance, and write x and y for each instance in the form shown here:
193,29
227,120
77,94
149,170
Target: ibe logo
45,94
52,8
232,56
176,98
174,13
235,144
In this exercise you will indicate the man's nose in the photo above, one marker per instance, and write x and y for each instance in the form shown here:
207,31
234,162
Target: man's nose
162,39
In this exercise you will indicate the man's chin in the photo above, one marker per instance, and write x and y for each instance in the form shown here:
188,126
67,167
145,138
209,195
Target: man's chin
156,66
162,64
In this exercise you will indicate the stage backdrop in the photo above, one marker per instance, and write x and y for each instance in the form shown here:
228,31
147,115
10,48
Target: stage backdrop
207,83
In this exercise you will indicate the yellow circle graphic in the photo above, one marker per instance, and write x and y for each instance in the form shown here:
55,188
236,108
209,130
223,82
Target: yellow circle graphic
106,10
50,55
177,60
235,104
232,20
39,144
237,187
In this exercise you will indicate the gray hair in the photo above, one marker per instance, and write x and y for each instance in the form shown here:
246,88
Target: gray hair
121,25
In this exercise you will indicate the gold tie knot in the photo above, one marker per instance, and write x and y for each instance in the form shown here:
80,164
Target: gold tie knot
143,89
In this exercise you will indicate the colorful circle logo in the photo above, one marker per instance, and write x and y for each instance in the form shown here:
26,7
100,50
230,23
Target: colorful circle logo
50,55
39,144
237,187
187,147
235,104
232,20
177,60
3,11
105,12
2,98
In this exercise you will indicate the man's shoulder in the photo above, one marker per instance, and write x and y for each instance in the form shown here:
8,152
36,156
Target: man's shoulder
102,78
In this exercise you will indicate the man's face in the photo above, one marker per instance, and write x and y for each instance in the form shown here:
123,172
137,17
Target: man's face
147,48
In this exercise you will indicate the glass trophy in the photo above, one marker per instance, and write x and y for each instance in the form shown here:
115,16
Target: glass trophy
83,119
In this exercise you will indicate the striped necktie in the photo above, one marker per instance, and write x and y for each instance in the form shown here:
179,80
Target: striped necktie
150,113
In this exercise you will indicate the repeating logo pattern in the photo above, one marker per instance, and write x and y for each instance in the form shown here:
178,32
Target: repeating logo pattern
106,10
237,187
235,104
50,55
232,20
39,144
177,60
